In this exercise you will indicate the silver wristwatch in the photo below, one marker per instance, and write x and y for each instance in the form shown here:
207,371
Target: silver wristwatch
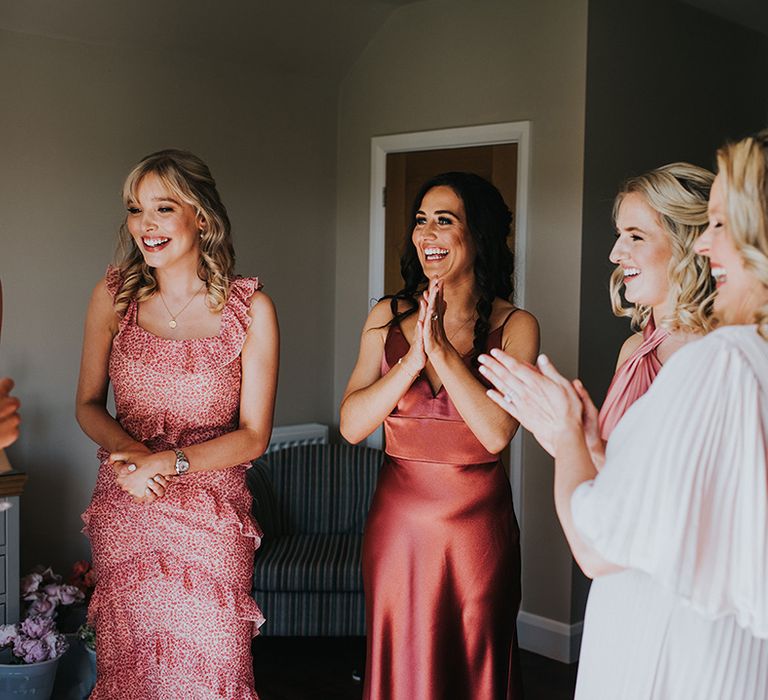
182,463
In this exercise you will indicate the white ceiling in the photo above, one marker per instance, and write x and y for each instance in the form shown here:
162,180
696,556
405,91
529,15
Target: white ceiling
322,36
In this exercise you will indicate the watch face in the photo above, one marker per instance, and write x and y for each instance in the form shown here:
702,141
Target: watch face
182,463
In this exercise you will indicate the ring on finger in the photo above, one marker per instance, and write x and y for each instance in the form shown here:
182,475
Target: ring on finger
434,317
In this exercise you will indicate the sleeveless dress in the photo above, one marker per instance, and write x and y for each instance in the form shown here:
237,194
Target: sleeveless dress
172,608
632,379
441,556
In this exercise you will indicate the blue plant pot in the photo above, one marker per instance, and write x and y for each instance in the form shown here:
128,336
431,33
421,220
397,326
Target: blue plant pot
28,680
77,672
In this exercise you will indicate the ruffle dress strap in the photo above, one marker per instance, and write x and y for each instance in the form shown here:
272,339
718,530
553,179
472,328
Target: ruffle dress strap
113,279
236,319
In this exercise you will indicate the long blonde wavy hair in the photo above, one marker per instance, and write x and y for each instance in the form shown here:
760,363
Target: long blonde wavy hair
745,167
188,178
678,193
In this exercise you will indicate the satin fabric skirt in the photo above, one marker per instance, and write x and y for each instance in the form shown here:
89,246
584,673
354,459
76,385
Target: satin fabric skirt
441,567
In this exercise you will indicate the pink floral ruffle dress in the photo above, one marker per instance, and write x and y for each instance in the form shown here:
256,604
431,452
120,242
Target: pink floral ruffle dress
172,607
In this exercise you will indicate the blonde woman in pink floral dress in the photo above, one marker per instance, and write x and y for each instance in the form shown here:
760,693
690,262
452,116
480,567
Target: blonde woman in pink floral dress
192,354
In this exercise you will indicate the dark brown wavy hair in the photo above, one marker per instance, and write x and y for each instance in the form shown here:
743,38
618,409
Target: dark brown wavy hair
489,223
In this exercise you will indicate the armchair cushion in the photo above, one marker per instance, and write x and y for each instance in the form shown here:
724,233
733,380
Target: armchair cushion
310,562
321,488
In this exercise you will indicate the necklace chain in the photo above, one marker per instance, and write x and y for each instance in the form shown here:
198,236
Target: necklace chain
172,323
460,328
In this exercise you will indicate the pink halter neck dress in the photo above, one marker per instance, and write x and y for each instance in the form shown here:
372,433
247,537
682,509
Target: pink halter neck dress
632,379
172,607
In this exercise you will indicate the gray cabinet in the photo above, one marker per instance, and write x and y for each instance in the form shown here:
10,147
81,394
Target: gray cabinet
11,486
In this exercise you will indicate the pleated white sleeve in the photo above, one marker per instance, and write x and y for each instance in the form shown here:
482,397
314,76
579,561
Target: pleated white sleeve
683,494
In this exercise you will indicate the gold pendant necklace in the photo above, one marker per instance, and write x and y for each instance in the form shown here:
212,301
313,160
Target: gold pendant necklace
172,323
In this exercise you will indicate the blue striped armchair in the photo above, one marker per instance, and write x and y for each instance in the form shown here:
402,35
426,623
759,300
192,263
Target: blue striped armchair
312,501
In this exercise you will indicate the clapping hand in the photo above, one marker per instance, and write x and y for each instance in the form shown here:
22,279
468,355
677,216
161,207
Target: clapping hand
540,398
433,330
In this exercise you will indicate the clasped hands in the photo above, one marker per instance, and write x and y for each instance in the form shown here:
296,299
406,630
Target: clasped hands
430,339
142,474
544,402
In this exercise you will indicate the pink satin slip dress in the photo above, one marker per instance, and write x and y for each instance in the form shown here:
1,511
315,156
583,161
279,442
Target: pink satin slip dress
441,557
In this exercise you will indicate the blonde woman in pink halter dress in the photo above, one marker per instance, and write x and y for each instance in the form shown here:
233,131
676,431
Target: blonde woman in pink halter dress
658,216
191,352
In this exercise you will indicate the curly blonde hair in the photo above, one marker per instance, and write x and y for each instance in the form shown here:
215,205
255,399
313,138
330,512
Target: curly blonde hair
678,193
744,166
188,178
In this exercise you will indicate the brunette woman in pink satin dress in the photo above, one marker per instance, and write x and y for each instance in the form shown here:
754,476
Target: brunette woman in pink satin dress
441,560
191,351
659,216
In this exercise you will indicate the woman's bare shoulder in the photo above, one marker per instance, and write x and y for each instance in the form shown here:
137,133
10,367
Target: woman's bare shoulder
511,316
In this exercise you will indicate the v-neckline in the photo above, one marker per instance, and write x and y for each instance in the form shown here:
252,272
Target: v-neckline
423,375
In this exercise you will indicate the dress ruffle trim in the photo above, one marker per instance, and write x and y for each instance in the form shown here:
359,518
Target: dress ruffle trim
196,581
226,688
191,355
187,505
200,499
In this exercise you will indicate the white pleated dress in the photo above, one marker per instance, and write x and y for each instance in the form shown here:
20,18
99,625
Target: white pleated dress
682,504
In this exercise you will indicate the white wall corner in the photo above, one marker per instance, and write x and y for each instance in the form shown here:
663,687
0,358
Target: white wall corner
550,638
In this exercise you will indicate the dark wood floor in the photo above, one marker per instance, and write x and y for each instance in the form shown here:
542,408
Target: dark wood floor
320,668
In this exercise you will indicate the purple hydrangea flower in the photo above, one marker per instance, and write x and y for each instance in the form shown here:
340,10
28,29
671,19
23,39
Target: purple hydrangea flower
67,594
56,643
61,645
31,651
8,634
47,573
37,626
42,605
29,585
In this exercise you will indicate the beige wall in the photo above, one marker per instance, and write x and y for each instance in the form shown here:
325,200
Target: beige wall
447,63
74,119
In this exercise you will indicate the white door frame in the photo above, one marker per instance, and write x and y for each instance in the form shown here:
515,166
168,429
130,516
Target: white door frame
461,137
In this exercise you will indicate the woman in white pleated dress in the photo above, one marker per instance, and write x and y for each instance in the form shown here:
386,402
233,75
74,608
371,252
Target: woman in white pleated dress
674,529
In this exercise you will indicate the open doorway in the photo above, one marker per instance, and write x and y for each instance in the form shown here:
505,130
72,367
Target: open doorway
498,152
408,170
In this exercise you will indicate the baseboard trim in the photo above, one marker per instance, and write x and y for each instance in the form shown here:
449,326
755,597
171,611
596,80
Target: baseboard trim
550,638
